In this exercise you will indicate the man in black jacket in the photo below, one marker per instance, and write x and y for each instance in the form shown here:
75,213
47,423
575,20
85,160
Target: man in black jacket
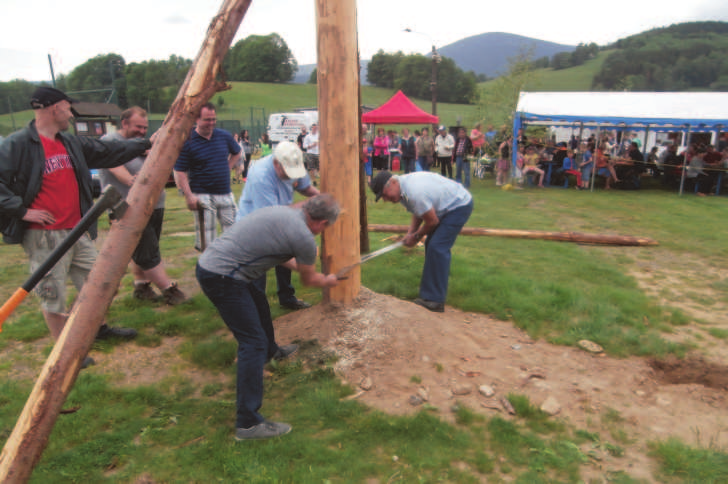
45,189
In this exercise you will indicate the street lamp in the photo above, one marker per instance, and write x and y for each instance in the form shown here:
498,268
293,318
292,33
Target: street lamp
435,60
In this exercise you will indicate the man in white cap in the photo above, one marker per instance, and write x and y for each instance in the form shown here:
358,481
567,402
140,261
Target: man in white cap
271,181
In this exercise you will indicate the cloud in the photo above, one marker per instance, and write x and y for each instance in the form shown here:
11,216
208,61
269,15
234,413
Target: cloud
176,20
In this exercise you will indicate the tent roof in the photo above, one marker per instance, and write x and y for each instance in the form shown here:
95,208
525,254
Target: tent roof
398,110
697,109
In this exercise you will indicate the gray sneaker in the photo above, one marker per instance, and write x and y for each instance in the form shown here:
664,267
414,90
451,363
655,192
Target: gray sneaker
264,430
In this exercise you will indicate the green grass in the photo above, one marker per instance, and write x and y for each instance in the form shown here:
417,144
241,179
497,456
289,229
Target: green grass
180,431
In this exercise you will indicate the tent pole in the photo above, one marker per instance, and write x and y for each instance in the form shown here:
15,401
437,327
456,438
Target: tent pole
685,159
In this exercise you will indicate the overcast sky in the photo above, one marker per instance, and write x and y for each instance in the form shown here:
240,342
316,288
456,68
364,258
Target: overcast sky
138,30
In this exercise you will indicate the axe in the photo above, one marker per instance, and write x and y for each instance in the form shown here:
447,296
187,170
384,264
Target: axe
342,272
110,199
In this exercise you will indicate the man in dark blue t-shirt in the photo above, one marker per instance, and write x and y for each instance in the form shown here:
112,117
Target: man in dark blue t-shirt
202,174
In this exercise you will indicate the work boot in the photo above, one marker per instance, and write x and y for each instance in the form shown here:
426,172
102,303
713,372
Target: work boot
295,305
173,295
107,332
285,351
143,291
431,305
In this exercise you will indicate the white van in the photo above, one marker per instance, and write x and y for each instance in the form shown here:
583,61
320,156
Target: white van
287,126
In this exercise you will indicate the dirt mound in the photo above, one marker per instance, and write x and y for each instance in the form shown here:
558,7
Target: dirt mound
405,356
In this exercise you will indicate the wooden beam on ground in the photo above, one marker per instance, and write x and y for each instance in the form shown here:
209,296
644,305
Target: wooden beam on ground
338,103
24,447
578,237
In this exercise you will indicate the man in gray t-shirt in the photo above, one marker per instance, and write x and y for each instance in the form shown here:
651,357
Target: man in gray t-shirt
146,265
227,271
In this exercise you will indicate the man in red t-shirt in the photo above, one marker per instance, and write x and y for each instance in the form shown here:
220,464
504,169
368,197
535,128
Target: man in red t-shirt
45,188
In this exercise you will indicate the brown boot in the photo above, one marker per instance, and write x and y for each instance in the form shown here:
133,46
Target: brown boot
173,295
144,292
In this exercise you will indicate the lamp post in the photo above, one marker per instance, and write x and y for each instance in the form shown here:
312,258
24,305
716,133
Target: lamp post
435,60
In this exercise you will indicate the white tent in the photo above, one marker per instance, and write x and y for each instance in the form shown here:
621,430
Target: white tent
651,111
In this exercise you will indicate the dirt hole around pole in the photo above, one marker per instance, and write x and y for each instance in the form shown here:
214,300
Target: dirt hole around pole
675,371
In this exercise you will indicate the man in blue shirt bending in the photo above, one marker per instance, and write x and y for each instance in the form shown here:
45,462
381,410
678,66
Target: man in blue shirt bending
271,181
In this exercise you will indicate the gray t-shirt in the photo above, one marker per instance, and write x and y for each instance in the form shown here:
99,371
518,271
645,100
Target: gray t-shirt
134,166
423,190
259,241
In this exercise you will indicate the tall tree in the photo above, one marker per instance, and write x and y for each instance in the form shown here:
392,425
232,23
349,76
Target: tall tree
260,58
381,71
99,79
153,84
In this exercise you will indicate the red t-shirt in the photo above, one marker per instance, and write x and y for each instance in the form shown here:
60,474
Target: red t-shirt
59,190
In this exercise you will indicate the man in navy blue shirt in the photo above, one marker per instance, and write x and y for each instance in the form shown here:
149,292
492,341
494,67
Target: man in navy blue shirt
202,174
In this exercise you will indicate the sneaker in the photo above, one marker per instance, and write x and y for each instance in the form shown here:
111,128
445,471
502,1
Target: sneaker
107,332
144,292
264,430
431,305
284,352
173,295
295,305
88,361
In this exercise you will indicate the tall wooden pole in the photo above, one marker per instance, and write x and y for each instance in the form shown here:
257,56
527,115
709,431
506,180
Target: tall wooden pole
338,103
25,445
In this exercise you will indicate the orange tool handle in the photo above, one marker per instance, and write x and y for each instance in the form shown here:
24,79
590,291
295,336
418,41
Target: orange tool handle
10,305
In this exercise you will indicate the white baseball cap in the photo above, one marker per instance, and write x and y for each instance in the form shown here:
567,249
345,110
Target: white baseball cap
291,159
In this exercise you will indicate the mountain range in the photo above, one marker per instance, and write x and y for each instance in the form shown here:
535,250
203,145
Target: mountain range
487,53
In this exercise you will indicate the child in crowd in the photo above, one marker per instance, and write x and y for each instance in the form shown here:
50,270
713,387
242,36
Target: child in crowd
569,168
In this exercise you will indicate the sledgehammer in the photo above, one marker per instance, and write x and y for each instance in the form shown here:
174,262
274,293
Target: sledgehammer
110,199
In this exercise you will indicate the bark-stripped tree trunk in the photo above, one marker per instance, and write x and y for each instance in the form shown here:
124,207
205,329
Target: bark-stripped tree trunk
579,237
25,445
338,101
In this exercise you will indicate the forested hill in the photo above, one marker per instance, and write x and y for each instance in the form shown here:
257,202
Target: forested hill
687,56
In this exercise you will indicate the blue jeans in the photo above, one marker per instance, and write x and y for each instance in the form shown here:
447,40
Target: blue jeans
462,163
436,271
244,309
422,164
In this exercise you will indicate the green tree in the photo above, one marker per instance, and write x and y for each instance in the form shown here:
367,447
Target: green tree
154,84
382,67
15,95
99,79
313,78
498,101
260,58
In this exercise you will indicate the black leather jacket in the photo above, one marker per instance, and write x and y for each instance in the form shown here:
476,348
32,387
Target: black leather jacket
22,161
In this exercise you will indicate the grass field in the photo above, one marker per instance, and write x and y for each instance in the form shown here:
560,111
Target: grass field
179,430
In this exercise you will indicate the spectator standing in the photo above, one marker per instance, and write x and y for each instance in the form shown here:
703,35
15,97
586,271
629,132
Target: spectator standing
266,145
409,152
503,166
45,189
311,145
202,174
381,150
425,146
440,207
301,137
478,139
367,159
227,272
271,181
247,151
444,144
146,261
463,149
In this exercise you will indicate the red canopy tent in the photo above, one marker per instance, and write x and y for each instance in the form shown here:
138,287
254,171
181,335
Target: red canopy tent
398,110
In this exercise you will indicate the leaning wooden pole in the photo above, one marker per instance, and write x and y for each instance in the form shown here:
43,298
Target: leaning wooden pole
29,438
338,102
578,237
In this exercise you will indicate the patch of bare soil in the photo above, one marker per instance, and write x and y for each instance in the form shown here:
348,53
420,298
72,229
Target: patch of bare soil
406,354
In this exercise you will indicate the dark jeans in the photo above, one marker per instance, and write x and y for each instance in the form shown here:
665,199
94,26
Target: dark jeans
244,309
462,166
436,271
286,291
445,165
408,165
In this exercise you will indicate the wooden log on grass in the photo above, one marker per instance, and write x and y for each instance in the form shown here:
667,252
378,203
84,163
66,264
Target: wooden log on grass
578,237
29,438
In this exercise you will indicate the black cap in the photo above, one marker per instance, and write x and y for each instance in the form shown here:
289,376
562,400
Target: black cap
378,182
48,96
